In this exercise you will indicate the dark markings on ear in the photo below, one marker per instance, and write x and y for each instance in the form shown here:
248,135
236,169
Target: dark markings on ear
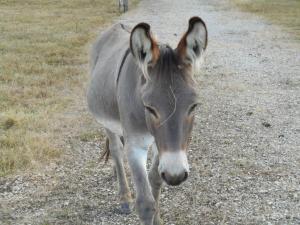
193,43
183,44
196,49
146,28
192,22
142,53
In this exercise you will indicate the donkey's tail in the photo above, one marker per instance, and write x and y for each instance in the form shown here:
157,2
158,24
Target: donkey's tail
105,155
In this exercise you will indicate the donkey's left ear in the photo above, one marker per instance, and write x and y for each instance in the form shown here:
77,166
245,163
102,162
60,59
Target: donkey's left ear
143,46
193,44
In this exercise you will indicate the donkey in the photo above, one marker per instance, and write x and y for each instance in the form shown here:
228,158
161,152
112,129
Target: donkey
144,94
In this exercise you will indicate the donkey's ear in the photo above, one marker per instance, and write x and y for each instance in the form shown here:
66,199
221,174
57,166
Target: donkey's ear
193,44
143,46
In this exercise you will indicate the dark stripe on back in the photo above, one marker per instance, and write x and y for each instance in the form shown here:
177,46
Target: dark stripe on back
122,64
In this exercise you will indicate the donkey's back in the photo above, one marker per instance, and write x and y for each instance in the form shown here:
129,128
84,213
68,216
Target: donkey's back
106,56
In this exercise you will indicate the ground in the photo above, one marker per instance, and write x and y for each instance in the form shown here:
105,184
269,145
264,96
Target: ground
244,155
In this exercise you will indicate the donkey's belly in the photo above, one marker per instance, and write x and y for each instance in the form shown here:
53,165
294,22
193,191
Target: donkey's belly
112,125
107,56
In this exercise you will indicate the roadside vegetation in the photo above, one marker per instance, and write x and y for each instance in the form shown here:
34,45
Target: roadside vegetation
43,71
285,13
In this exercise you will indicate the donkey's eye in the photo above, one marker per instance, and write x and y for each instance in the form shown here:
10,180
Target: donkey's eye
192,108
152,111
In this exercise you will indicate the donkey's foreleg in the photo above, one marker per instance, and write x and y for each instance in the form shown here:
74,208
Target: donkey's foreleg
156,183
117,153
145,203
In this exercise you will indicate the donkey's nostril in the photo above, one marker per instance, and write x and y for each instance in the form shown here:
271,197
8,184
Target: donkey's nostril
163,175
186,174
171,179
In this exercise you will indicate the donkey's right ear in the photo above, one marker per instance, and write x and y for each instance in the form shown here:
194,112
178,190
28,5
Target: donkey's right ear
143,46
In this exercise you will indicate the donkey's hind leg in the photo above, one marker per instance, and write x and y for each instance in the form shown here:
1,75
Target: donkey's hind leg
116,150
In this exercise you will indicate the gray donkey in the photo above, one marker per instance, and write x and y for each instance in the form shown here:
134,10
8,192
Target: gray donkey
144,94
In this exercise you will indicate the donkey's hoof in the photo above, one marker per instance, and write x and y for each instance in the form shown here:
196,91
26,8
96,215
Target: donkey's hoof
125,208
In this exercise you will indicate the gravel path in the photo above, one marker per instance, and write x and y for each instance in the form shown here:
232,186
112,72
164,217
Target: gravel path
245,153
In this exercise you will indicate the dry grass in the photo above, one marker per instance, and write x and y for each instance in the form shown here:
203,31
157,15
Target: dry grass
43,69
285,13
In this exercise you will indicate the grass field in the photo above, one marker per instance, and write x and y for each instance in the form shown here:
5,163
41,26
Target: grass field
43,69
283,12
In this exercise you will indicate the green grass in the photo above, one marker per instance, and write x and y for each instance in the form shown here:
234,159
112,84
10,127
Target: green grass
283,12
43,70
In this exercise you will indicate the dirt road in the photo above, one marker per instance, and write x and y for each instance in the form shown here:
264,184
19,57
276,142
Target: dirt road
245,152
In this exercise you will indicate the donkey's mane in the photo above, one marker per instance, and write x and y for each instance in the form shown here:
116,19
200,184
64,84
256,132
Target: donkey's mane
167,60
167,66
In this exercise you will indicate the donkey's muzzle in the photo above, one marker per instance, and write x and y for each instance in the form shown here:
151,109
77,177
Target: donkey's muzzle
173,167
174,179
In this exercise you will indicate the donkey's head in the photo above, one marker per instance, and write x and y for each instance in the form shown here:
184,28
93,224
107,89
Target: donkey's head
168,93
